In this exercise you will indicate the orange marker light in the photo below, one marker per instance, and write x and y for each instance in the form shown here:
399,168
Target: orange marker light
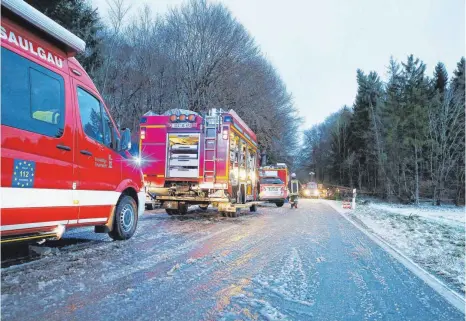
172,118
182,117
191,118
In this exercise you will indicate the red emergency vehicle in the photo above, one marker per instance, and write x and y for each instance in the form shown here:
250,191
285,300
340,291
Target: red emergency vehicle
63,162
190,159
273,181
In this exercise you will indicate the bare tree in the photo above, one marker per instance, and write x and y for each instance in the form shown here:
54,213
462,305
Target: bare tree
446,132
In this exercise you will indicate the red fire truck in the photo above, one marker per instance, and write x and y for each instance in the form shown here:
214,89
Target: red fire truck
273,181
189,159
63,162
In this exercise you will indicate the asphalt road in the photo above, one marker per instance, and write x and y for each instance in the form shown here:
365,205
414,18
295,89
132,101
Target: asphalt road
278,264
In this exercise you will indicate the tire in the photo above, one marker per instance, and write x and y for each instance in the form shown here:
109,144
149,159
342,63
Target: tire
125,219
279,204
171,211
149,207
253,208
183,208
203,207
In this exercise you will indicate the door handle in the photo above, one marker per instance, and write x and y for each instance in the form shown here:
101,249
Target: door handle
85,152
64,147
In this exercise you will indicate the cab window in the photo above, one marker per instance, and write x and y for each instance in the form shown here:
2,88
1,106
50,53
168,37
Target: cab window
33,97
91,115
271,181
95,120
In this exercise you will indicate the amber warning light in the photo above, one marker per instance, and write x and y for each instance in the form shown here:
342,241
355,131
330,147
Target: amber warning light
183,118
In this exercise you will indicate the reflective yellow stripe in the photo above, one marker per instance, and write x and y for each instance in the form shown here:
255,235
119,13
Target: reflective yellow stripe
25,238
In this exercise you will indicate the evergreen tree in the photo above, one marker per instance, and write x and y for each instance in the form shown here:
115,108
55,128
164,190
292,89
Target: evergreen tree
414,119
365,138
80,18
440,78
360,123
391,120
458,80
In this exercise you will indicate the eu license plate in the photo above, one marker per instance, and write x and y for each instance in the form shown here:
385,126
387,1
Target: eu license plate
182,125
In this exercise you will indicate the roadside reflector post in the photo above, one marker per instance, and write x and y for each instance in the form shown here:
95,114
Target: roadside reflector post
354,199
346,204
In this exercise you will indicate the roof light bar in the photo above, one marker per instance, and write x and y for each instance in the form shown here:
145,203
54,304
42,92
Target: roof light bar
44,23
183,118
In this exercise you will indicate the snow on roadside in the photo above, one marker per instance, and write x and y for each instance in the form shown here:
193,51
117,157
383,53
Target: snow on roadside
432,237
444,214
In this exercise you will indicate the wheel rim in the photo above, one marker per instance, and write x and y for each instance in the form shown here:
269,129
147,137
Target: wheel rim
127,217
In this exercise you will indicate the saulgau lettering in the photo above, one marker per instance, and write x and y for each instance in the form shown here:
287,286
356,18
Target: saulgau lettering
27,45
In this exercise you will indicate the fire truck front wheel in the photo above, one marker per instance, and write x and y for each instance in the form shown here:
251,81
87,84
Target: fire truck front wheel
279,204
125,219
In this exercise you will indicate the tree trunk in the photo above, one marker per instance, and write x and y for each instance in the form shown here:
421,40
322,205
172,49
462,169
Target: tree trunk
416,178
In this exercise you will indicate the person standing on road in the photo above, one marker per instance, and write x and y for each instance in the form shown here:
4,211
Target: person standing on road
294,186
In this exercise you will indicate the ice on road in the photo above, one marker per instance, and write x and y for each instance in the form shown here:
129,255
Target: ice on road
278,264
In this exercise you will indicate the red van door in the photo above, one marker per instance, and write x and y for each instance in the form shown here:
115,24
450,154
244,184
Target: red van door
37,135
99,165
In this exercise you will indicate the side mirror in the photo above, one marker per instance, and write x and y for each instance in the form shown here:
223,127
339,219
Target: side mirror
125,142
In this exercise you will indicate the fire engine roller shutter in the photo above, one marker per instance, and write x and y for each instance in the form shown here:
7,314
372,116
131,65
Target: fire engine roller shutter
183,155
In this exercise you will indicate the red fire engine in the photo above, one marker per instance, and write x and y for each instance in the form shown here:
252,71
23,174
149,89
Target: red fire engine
63,161
273,181
190,159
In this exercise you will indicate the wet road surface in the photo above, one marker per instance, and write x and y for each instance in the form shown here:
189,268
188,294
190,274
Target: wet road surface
277,264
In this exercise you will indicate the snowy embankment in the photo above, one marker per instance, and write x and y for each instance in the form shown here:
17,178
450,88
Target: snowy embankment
431,236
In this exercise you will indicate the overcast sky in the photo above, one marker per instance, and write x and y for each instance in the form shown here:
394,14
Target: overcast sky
317,46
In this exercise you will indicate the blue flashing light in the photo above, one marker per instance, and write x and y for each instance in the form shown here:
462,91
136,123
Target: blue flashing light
228,119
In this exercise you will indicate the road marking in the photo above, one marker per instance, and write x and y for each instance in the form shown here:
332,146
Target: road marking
441,288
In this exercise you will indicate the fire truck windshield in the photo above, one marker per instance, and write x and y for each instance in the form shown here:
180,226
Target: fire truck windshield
271,180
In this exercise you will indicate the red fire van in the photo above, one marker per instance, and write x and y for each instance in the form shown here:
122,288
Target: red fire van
64,163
